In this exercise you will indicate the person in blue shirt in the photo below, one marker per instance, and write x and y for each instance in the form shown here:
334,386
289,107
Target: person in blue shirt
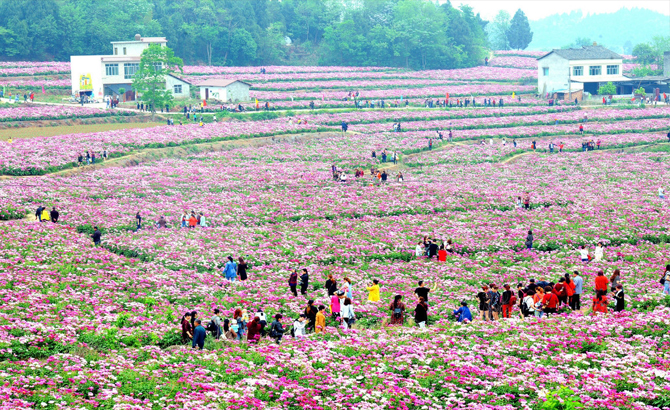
198,335
576,298
463,313
230,270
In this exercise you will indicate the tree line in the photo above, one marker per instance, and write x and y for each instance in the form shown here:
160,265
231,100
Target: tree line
416,34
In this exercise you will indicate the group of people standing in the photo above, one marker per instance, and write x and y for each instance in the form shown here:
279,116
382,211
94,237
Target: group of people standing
90,157
42,214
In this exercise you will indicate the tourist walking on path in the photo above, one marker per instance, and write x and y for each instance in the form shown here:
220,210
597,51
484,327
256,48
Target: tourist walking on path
54,215
293,282
397,309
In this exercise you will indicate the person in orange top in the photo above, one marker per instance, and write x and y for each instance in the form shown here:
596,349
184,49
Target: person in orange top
320,325
600,302
539,294
601,282
192,221
442,254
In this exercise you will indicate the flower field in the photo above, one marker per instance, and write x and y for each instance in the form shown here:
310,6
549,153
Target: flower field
86,327
53,112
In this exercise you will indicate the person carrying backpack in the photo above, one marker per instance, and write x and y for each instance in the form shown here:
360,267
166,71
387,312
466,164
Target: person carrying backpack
215,325
397,309
276,328
529,303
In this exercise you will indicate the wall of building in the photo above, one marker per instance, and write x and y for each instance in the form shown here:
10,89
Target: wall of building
603,77
170,82
86,66
557,78
237,92
133,48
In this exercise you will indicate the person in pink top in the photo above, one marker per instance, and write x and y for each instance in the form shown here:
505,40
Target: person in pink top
335,304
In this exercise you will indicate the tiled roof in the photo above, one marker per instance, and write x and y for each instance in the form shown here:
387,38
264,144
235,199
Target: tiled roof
585,53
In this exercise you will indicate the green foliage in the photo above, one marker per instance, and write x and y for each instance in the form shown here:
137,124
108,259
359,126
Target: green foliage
156,63
519,35
644,53
607,89
498,31
640,91
562,399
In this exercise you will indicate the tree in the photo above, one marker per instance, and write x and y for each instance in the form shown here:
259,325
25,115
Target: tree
607,89
519,34
149,81
497,31
644,53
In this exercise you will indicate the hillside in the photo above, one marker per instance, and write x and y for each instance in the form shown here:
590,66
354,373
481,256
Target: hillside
620,31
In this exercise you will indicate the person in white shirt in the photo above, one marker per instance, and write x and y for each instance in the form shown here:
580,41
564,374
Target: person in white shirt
661,192
418,250
343,177
584,253
347,313
599,252
299,326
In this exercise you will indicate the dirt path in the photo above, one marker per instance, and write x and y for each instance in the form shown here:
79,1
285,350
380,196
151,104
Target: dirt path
151,154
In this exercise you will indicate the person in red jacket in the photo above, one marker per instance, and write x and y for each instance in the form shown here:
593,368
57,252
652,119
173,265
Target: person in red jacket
570,289
600,302
442,254
601,282
550,301
561,292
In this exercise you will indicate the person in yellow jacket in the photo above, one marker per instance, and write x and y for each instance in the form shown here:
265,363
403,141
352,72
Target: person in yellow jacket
320,325
46,216
374,291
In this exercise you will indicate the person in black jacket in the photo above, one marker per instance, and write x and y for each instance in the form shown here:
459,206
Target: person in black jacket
304,281
276,328
421,313
432,249
54,215
619,298
38,213
96,236
331,285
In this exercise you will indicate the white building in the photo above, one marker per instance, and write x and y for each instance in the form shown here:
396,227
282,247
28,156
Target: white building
98,76
224,90
575,69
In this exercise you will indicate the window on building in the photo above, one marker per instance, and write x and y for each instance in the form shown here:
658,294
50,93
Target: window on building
111,69
578,70
594,70
545,70
116,51
129,70
612,69
124,51
177,89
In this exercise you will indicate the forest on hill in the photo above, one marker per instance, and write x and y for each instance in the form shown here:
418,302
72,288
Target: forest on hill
401,33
